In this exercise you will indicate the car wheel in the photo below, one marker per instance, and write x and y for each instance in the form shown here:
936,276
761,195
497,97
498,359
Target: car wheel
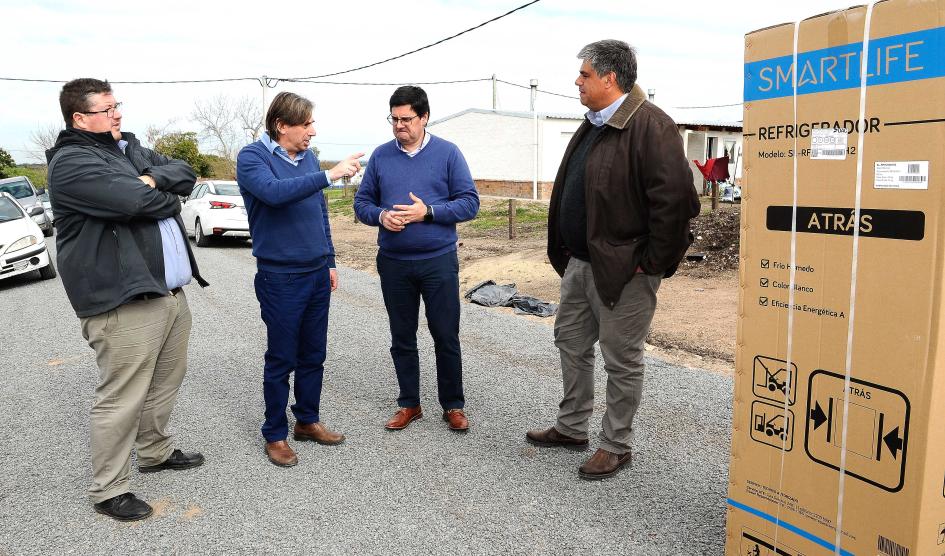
199,238
48,272
48,232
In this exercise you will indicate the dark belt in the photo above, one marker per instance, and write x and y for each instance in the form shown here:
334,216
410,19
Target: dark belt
151,295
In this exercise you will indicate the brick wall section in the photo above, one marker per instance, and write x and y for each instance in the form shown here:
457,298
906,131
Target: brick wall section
518,189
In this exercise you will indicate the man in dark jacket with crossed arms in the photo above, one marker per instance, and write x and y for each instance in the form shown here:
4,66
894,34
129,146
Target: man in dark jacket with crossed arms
123,257
617,225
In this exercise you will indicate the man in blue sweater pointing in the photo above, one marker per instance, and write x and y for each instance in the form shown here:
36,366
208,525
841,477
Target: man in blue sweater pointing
415,189
282,185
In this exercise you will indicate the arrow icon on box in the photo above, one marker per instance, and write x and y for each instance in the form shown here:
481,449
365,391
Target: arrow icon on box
893,442
818,416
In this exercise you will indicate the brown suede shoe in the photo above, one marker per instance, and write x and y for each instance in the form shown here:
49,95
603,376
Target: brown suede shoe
404,417
281,454
602,464
551,438
456,420
317,432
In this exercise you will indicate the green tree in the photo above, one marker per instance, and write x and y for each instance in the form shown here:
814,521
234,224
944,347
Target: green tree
220,168
6,163
35,172
183,146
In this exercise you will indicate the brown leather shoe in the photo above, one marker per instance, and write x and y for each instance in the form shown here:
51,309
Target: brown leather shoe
404,417
317,432
456,420
602,464
281,454
551,438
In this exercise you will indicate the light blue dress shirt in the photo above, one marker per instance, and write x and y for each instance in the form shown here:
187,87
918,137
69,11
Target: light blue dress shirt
177,271
280,151
598,119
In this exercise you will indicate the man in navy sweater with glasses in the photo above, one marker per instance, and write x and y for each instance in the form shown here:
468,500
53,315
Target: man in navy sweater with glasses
281,184
416,188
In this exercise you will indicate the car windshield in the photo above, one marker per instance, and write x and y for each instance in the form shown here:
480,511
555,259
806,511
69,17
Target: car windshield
44,197
9,210
18,189
228,189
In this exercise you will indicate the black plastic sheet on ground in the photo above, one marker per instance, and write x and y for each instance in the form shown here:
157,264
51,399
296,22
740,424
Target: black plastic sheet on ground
490,294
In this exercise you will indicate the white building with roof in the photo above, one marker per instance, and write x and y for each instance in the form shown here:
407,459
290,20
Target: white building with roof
500,147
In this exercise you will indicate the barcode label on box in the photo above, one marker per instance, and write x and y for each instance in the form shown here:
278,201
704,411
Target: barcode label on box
828,144
911,174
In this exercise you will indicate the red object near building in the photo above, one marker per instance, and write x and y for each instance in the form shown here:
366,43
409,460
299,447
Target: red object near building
714,169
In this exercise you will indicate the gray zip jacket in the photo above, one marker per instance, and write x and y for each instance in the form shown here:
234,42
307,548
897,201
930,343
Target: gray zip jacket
108,241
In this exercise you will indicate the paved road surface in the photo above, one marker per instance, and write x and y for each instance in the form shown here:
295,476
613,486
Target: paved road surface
424,490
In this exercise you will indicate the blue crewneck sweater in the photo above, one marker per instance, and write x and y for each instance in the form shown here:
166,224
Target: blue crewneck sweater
288,216
439,176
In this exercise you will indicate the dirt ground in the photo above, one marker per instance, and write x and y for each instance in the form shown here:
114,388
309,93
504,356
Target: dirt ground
695,317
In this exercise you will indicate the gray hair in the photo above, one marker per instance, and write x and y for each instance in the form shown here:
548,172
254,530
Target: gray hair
612,56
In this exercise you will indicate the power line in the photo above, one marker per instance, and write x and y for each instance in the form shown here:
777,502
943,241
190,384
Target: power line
174,82
539,90
484,23
711,106
390,84
292,79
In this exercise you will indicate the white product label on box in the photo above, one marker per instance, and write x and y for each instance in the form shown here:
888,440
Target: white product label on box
912,174
828,144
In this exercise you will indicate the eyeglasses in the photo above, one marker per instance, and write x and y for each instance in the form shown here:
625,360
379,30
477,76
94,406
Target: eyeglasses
109,112
394,120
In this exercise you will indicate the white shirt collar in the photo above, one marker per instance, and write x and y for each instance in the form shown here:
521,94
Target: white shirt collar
423,143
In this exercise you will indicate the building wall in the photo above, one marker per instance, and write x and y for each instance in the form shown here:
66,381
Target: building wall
500,150
509,188
500,147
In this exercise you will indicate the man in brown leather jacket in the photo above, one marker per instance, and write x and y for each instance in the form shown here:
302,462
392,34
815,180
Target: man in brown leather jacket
617,225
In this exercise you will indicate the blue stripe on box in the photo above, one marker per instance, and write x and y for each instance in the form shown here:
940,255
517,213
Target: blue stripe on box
785,525
895,59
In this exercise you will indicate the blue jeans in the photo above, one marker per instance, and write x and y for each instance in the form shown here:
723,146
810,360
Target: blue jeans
403,283
295,310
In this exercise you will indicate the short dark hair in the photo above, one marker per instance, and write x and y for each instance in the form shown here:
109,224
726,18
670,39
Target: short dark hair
412,95
612,56
288,108
75,94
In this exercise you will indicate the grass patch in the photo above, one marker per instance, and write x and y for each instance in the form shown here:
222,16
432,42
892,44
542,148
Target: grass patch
338,204
494,216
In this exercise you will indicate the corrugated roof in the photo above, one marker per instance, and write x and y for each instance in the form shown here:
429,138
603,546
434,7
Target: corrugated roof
710,123
691,122
527,115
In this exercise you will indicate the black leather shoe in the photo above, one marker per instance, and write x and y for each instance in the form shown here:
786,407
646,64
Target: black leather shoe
178,460
124,507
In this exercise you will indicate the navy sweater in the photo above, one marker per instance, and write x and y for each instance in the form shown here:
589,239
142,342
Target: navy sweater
288,216
439,176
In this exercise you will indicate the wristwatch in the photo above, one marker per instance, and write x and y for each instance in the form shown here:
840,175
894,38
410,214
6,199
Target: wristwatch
428,217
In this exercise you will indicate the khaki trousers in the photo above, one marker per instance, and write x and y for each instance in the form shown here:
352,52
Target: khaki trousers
141,349
582,321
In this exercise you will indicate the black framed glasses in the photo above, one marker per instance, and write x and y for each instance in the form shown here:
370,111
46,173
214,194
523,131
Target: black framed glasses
109,112
394,120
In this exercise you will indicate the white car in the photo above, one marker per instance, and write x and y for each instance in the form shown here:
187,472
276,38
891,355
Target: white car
215,209
22,247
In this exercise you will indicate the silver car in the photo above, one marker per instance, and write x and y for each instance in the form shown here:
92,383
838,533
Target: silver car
21,189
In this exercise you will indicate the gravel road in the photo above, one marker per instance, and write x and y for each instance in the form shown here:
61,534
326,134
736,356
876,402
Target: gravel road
424,490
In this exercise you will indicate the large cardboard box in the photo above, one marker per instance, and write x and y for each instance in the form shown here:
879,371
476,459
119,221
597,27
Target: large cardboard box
839,402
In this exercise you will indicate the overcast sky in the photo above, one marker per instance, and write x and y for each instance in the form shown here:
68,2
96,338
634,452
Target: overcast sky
690,52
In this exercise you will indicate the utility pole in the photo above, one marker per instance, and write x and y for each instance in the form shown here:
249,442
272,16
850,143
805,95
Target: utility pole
494,95
534,86
264,83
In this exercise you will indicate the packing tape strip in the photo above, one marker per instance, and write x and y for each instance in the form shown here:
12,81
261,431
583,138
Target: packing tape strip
853,267
791,279
853,272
